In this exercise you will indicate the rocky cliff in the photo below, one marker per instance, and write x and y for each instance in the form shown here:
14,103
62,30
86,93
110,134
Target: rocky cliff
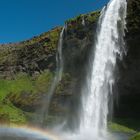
129,71
27,70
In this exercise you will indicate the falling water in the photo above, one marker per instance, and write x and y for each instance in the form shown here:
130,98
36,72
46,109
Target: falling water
97,89
83,21
57,78
108,47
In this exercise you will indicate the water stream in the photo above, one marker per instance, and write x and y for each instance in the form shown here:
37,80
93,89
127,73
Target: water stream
109,47
56,80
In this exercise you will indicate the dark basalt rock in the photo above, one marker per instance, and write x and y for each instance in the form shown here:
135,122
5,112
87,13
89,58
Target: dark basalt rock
129,70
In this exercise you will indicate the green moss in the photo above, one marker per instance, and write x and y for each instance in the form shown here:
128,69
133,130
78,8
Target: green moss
120,128
136,137
25,83
21,83
129,122
66,80
4,89
29,52
14,114
37,39
54,35
90,17
24,91
43,82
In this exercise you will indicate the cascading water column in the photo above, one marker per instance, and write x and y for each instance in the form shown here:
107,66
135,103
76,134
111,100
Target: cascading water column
57,77
109,46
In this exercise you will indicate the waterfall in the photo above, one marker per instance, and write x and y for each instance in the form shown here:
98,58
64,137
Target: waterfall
108,47
83,21
98,87
57,77
59,58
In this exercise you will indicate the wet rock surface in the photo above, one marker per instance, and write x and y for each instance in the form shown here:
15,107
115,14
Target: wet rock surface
129,70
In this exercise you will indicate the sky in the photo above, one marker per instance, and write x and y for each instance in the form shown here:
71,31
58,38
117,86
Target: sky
23,19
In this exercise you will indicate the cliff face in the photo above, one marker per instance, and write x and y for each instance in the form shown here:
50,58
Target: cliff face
27,70
31,56
77,44
129,77
127,111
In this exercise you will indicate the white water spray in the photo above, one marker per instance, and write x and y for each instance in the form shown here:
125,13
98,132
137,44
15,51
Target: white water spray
108,47
83,21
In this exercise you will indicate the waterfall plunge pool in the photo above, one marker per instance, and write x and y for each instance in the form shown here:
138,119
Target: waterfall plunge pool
30,133
25,133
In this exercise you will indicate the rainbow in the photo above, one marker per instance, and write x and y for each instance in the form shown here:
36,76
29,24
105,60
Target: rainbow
36,132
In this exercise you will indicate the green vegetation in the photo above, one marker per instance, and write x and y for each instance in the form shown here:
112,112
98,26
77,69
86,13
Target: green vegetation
90,17
66,80
43,82
129,122
51,35
27,55
25,83
21,92
19,97
120,128
14,87
136,137
11,114
13,91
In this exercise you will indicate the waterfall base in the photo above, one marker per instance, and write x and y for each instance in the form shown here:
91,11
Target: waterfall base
25,133
90,135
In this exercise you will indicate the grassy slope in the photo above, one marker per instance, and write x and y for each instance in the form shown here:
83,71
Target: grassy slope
120,128
21,84
136,137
